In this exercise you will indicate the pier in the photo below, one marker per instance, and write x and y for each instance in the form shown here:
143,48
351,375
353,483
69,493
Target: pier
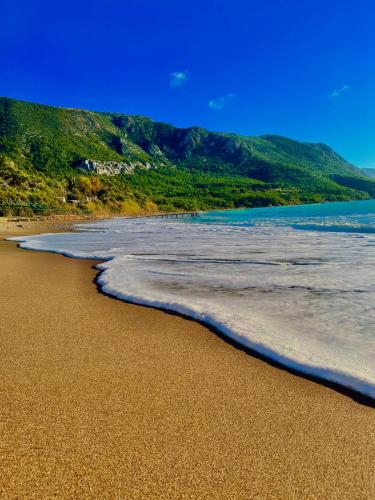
169,215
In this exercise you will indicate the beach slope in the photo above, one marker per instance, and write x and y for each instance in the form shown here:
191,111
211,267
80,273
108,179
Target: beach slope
102,399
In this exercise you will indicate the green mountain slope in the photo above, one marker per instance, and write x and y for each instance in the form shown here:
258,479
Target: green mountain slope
78,160
369,172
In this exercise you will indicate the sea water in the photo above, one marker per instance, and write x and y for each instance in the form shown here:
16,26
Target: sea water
296,284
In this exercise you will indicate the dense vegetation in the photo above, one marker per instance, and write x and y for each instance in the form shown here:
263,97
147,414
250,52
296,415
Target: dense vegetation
42,151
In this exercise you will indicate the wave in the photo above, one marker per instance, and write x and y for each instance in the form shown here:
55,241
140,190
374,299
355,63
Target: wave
301,298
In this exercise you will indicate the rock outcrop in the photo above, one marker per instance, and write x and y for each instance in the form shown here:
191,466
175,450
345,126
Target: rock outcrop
112,167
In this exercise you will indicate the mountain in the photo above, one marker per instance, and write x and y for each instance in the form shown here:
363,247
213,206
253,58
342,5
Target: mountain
369,172
83,161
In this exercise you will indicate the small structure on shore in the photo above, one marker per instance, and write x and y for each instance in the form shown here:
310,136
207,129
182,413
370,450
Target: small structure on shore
175,215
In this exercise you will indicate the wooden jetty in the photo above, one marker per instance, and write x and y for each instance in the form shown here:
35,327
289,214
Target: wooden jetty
175,215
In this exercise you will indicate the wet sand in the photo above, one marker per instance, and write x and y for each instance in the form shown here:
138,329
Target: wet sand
102,399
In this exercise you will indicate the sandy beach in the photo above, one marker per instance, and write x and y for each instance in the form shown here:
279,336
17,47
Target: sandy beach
103,399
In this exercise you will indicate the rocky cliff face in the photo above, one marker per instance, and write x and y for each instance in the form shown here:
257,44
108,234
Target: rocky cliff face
112,167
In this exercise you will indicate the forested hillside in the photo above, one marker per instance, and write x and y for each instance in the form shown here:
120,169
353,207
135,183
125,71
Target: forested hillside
82,161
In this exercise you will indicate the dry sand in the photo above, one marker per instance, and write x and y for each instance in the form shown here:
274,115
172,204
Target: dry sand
26,225
102,399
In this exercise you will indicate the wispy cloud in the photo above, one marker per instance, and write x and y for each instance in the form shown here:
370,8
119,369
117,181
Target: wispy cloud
339,91
221,102
178,78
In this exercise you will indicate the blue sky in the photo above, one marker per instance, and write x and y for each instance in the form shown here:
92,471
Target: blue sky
301,69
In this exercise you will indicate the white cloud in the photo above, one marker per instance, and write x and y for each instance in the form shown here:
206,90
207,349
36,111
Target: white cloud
178,78
339,91
221,102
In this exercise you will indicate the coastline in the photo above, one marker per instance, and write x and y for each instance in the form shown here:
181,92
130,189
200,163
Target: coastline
342,380
158,406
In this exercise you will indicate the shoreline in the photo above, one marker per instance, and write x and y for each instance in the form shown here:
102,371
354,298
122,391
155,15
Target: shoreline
103,398
270,358
349,392
69,218
266,354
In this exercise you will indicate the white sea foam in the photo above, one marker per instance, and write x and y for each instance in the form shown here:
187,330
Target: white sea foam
303,298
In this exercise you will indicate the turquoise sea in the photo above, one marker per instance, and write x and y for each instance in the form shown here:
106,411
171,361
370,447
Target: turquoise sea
349,217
